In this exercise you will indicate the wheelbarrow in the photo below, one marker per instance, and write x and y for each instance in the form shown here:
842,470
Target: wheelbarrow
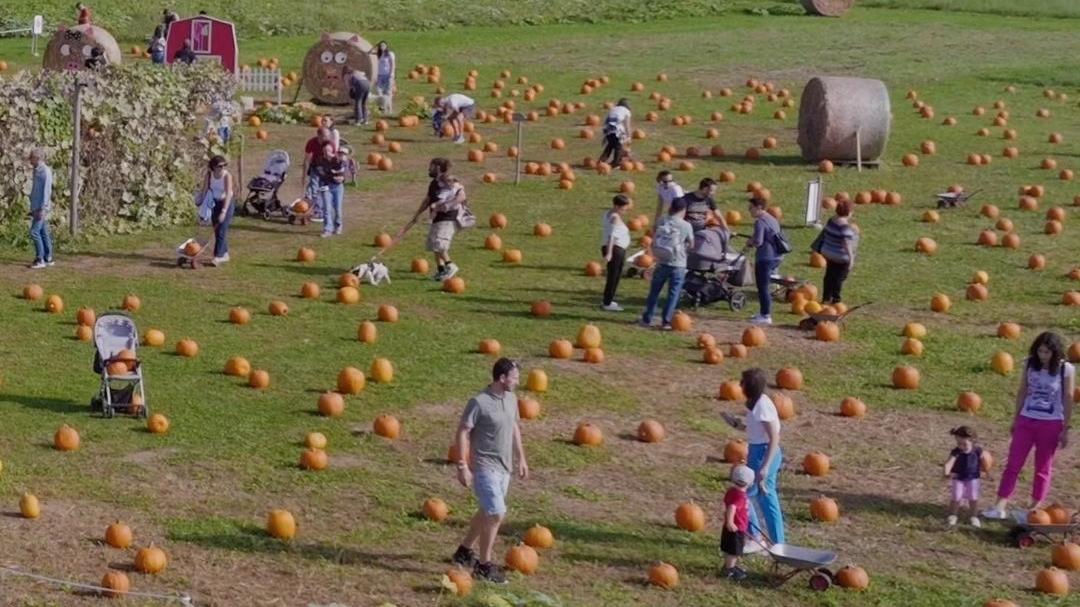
299,211
784,286
189,251
798,560
812,321
1023,534
950,200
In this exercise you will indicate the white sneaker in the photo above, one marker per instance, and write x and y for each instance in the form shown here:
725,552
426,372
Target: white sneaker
451,270
50,262
326,235
951,521
217,261
976,523
761,320
37,265
224,257
612,307
460,139
994,514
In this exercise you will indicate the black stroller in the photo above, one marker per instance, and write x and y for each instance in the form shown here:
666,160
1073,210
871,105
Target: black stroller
263,190
713,274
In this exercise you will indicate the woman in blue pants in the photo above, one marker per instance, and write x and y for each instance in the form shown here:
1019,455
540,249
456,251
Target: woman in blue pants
762,426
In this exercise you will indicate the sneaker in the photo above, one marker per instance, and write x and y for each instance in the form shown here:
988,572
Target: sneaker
665,327
326,235
460,139
612,307
439,276
951,520
37,265
217,261
337,231
975,522
464,557
994,514
450,271
490,572
734,574
50,262
317,218
761,320
224,257
644,323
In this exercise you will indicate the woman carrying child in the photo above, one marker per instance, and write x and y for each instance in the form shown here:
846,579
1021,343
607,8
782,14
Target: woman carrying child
1044,405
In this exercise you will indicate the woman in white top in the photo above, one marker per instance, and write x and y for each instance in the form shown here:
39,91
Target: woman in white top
616,132
1044,407
616,239
762,426
457,108
666,191
219,185
384,78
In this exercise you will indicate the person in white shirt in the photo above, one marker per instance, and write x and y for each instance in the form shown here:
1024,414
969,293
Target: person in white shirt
616,132
667,190
457,108
762,425
615,241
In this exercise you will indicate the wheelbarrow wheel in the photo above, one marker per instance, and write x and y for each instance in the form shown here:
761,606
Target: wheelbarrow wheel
292,219
1025,539
737,301
180,261
820,581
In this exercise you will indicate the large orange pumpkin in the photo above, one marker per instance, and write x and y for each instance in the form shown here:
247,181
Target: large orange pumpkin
539,537
816,464
853,577
690,517
940,302
237,366
1002,363
1059,514
736,451
970,402
154,337
151,560
731,390
1008,330
279,308
789,378
454,285
1052,581
239,316
85,317
589,337
281,524
561,348
593,355
348,295
753,337
157,424
682,322
115,583
1066,556
461,579
588,435
538,381
118,535
309,290
387,426
66,439
905,378
824,509
33,292
650,431
914,330
351,380
827,331
367,332
331,404
259,379
785,407
852,407
523,559
528,408
663,575
382,370
435,509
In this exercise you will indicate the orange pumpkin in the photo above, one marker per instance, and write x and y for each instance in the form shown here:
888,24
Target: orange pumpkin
663,575
351,380
259,379
116,584
690,517
157,424
827,331
239,316
539,537
237,366
131,303
816,464
1002,363
905,378
852,407
387,426
970,402
540,308
528,408
435,509
853,577
561,348
523,559
305,254
151,560
348,295
1052,581
490,346
1066,556
118,535
331,404
309,290
736,451
281,524
789,378
650,431
588,435
367,332
279,308
753,337
589,337
455,285
419,266
824,509
66,439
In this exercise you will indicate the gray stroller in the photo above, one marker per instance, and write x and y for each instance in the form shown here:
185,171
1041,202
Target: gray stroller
122,390
713,273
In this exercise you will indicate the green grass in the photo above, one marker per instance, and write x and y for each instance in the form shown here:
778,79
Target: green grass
202,490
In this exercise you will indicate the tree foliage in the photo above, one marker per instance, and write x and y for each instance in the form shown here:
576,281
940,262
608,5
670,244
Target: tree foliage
141,143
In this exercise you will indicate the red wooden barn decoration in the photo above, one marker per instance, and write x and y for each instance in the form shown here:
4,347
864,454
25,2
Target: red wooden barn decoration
211,39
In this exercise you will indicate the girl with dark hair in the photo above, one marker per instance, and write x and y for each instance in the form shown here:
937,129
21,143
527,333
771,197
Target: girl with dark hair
219,184
615,241
157,45
616,132
762,425
386,62
766,256
1044,405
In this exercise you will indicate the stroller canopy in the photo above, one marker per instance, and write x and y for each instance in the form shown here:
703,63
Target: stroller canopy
114,332
277,165
710,247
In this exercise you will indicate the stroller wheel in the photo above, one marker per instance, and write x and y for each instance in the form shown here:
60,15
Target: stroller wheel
266,215
292,219
737,300
820,581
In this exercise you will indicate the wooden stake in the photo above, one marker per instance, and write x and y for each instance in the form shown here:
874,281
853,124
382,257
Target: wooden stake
858,149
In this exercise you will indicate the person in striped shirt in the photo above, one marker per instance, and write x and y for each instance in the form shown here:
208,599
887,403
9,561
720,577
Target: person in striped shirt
837,244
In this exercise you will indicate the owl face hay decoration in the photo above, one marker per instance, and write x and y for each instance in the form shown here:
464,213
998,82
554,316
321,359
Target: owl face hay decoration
328,64
70,47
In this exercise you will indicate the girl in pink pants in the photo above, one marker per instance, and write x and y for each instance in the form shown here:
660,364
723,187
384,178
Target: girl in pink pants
1044,407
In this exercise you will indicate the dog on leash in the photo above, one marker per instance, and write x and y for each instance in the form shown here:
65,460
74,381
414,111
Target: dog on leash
373,271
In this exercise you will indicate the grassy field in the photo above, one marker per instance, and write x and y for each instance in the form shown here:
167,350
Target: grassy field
202,491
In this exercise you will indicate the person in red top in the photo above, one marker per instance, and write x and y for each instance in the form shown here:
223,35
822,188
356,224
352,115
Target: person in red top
313,150
84,13
736,522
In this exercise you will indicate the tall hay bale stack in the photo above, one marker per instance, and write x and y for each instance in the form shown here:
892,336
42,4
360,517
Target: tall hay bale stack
70,47
834,108
328,64
827,8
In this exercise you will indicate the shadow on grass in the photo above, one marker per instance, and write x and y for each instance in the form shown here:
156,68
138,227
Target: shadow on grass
249,538
55,405
301,268
871,503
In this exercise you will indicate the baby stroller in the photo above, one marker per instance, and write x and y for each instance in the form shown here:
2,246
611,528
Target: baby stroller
263,190
712,273
122,389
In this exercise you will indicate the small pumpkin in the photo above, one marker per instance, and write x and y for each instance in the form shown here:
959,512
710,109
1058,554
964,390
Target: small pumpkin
367,332
852,407
754,337
387,426
259,379
523,559
528,408
650,431
736,451
731,390
237,366
588,435
824,509
539,537
537,381
561,348
382,370
589,337
348,295
157,424
115,583
239,316
331,404
280,524
853,577
816,464
663,575
435,510
541,309
690,517
151,560
66,439
118,535
905,378
968,401
314,459
789,378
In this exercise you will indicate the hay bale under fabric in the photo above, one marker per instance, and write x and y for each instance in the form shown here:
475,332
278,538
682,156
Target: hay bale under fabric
833,108
328,64
70,47
827,8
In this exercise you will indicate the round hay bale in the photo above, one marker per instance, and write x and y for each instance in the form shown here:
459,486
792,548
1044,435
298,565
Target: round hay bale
832,109
328,64
70,47
827,8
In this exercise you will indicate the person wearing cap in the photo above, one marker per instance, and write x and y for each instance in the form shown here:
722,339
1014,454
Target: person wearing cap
736,521
488,442
219,185
671,239
963,468
764,457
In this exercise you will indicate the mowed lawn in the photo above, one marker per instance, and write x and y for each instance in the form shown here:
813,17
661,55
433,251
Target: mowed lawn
203,490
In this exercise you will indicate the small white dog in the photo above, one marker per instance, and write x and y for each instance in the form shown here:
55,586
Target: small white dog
374,271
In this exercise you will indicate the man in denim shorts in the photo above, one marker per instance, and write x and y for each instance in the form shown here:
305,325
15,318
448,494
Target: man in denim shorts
489,437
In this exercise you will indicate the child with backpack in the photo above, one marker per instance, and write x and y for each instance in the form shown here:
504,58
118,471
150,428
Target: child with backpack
736,522
672,238
770,245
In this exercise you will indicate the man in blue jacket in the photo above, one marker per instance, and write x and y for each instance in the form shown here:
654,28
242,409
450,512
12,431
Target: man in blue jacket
40,205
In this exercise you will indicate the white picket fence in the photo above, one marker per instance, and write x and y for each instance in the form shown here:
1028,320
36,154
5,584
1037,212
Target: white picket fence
261,80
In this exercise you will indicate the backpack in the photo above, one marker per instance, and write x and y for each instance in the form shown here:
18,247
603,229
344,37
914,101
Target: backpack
667,242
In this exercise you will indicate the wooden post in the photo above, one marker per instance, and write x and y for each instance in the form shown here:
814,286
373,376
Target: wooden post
858,150
519,118
73,212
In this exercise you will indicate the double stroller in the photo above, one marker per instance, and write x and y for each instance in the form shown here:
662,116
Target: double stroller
116,360
712,273
262,196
